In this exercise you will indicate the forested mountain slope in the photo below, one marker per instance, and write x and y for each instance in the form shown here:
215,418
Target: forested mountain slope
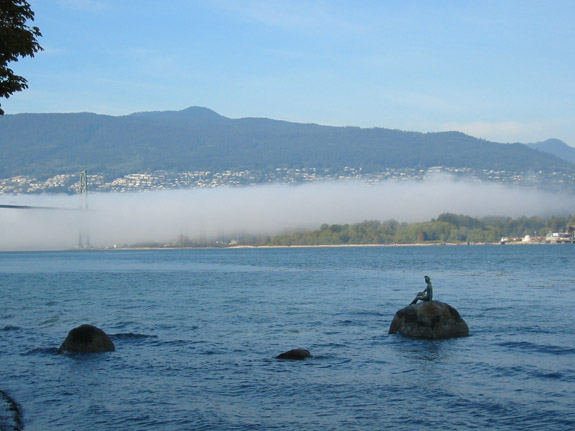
42,145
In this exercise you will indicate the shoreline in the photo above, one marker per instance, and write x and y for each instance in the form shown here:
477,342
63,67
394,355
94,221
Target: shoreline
445,244
239,247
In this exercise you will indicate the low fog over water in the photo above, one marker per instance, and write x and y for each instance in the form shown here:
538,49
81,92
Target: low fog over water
128,218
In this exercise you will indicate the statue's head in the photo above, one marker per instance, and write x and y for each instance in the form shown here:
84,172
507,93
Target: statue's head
427,279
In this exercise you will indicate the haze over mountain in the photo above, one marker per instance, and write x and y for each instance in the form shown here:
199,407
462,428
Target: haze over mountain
43,145
556,147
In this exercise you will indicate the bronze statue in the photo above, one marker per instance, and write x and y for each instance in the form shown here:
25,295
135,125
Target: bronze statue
426,295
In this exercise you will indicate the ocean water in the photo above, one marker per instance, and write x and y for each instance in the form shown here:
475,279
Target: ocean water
197,331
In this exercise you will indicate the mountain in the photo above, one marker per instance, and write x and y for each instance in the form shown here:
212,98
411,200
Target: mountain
556,147
43,145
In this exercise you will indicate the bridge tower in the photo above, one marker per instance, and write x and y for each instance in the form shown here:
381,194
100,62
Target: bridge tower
84,187
84,236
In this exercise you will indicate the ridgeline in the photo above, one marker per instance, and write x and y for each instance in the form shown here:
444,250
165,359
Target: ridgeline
198,139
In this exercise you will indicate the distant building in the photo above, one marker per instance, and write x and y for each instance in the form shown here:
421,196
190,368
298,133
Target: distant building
560,237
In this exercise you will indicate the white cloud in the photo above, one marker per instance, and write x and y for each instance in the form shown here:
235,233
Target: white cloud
86,5
290,15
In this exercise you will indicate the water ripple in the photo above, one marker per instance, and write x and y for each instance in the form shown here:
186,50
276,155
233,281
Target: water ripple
197,332
538,348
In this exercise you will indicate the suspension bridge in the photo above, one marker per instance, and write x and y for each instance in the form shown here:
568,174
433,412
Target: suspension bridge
84,239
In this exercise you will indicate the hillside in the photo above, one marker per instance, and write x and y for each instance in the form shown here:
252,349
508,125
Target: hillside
556,147
42,145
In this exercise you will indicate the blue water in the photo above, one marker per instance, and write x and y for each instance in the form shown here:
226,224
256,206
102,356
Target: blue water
196,333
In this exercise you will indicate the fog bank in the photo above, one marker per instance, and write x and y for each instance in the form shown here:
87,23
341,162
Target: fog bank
128,218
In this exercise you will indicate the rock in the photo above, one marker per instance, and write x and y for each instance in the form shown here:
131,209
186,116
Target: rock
431,319
10,416
87,339
297,354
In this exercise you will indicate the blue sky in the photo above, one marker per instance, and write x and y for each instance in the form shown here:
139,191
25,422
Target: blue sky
499,70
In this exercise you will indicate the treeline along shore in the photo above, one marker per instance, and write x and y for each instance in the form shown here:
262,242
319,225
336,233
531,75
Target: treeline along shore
445,229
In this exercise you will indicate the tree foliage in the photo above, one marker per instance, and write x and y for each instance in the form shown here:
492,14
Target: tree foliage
447,228
17,39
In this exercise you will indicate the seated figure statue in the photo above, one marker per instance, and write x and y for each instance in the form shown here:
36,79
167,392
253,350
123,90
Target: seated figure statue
426,295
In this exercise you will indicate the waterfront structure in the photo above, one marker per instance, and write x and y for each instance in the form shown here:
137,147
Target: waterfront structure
567,237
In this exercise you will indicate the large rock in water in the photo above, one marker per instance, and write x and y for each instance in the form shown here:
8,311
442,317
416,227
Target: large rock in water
432,319
87,339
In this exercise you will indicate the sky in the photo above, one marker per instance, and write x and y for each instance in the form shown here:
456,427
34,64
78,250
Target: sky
498,70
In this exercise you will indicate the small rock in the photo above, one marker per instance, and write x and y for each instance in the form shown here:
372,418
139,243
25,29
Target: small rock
296,354
87,339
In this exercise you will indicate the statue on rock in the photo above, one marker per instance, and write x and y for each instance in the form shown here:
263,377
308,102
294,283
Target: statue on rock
87,339
429,319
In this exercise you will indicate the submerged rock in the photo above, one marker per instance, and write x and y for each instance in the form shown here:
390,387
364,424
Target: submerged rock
87,339
431,319
297,354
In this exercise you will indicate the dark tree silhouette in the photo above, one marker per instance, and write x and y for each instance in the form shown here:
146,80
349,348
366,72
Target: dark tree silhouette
17,39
